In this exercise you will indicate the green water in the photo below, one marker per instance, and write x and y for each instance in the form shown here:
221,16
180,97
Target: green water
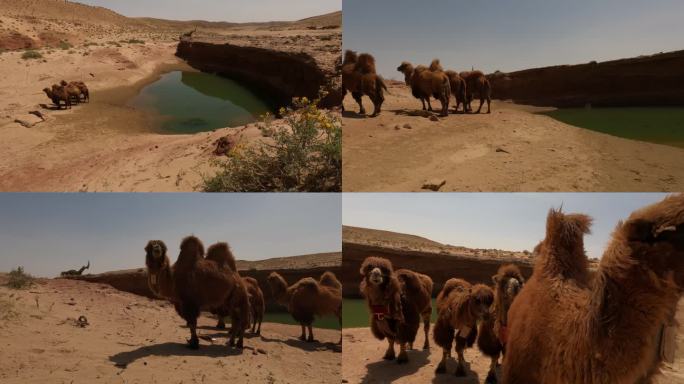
355,313
657,125
191,102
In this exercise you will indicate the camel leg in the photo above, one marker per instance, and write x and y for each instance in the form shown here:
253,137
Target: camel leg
429,105
261,317
426,328
445,107
193,343
221,323
441,367
339,317
357,96
461,368
403,356
303,336
481,102
491,375
311,337
423,102
389,355
344,93
489,105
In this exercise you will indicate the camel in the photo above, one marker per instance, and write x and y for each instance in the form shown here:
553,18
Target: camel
72,91
74,272
256,305
57,95
568,326
359,78
309,298
200,283
460,306
428,82
477,84
397,300
458,89
492,332
81,87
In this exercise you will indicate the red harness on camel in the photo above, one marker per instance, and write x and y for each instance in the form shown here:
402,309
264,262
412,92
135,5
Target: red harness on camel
380,311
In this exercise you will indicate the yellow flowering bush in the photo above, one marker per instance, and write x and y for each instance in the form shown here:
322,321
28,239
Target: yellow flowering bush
302,155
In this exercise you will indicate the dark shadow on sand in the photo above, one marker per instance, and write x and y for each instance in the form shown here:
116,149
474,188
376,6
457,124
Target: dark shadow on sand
390,370
354,115
173,349
449,377
305,345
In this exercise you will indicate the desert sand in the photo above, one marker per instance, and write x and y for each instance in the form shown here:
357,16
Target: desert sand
132,339
510,150
363,363
106,145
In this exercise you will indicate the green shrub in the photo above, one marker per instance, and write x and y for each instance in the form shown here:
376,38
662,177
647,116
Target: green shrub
19,279
31,54
303,156
64,45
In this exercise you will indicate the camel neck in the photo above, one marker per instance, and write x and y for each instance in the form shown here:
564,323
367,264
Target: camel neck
163,286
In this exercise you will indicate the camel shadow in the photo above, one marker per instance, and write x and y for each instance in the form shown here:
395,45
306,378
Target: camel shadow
172,349
390,370
449,377
413,113
50,107
354,115
315,346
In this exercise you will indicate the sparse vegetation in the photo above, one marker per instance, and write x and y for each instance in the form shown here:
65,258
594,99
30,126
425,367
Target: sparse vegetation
18,279
133,41
7,311
304,155
31,54
114,43
64,45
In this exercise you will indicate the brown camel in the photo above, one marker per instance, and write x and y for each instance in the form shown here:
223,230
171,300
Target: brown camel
359,78
492,332
257,305
396,301
57,95
428,82
477,84
309,298
81,87
458,89
71,90
566,326
200,283
460,306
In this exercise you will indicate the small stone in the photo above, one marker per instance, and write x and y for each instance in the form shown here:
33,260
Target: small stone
263,352
407,126
502,150
434,118
396,127
434,185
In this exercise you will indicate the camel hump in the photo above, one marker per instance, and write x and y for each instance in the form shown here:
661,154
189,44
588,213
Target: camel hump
328,279
365,63
350,57
307,283
410,279
192,246
454,284
222,255
567,229
436,66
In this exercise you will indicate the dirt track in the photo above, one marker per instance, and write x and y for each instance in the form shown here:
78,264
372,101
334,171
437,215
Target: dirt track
511,149
131,339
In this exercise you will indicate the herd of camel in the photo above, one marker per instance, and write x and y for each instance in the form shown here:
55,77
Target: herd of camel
567,323
69,93
196,283
360,78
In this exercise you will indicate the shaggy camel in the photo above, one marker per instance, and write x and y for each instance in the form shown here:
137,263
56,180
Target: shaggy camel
359,78
76,272
57,95
71,90
257,305
83,89
477,84
458,89
308,298
566,326
460,306
200,283
492,333
428,82
397,300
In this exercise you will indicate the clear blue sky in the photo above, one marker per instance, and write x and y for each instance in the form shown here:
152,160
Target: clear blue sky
49,233
221,10
507,221
510,35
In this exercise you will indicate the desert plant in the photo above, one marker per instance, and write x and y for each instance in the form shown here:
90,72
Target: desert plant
302,155
64,45
31,54
18,279
133,41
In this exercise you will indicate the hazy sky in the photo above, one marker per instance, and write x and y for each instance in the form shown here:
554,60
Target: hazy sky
513,222
221,10
510,35
50,233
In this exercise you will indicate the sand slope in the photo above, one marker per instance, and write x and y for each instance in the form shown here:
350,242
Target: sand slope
131,339
509,150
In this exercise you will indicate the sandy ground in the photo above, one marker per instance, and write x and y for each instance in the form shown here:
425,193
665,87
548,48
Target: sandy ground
510,150
131,339
106,145
363,363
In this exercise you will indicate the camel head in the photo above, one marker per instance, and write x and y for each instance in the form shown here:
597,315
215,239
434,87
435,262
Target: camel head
63,83
407,69
155,259
508,282
191,250
350,57
278,286
654,237
376,271
48,91
482,298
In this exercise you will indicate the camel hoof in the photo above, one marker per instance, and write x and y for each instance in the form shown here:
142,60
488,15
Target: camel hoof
389,356
302,338
441,368
193,344
491,378
311,340
460,371
402,359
